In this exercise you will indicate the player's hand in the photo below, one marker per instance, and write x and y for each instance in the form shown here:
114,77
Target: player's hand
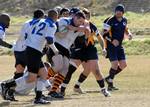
115,42
13,46
104,52
130,37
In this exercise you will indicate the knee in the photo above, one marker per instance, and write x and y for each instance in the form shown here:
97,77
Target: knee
123,66
114,66
19,68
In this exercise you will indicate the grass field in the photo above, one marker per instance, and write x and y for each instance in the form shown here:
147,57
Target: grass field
134,84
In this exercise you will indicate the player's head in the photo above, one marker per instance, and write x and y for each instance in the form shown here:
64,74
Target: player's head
79,18
87,13
64,12
119,10
73,11
39,13
5,19
53,14
58,9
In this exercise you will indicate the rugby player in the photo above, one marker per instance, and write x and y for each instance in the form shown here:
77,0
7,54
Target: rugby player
114,29
64,38
19,48
84,52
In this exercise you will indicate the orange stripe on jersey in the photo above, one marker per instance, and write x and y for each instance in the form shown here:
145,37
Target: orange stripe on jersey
91,39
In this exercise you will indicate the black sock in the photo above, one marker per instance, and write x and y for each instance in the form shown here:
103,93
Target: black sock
112,73
38,95
63,89
17,75
10,83
118,70
71,70
101,83
81,79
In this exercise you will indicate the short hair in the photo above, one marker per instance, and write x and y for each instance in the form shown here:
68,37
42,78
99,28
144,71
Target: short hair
52,13
86,11
80,14
64,10
38,13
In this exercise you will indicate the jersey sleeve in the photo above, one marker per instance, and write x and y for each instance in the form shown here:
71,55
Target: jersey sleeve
62,24
106,24
23,32
95,29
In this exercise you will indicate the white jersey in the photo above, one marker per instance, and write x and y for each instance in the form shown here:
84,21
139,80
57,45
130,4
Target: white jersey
2,32
38,33
20,43
68,39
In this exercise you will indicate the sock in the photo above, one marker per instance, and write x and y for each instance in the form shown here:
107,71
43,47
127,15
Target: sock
17,75
101,83
71,70
112,73
63,87
10,83
51,72
38,95
118,70
58,79
81,79
39,87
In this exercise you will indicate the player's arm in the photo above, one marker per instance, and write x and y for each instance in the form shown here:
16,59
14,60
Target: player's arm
128,33
3,43
49,36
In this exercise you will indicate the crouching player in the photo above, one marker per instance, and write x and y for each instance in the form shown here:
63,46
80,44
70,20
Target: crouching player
114,29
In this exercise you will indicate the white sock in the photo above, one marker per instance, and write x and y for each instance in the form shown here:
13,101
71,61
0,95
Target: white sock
78,83
64,85
40,84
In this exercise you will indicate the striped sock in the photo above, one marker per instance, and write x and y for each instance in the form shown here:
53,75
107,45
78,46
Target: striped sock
51,73
58,80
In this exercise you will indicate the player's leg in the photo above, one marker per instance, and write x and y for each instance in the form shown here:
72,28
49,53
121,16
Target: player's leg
73,65
99,77
59,78
20,63
112,54
82,77
41,83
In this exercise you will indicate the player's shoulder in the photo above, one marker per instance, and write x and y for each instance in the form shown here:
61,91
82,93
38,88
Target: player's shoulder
93,26
109,19
49,22
125,19
66,20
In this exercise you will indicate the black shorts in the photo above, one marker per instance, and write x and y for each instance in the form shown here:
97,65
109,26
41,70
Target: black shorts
85,54
34,60
20,58
115,53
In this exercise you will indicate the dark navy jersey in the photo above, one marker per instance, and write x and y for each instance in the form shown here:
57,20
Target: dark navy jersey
116,28
82,41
